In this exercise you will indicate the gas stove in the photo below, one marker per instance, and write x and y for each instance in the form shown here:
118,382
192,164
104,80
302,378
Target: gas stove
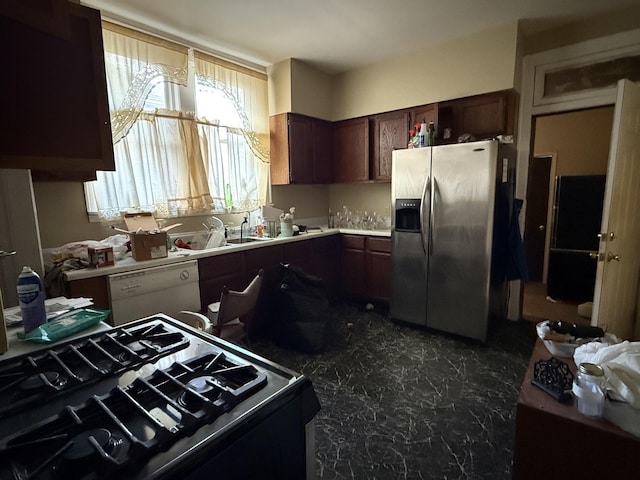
151,399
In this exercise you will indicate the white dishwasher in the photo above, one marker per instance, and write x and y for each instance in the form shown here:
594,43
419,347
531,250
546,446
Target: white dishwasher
167,289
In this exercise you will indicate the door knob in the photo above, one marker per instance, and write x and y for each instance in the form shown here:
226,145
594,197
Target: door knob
541,228
606,236
611,256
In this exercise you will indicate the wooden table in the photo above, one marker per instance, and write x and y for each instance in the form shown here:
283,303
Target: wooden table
554,441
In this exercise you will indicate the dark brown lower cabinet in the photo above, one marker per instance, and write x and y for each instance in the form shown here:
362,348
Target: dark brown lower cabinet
326,262
366,267
93,287
378,257
352,266
299,254
218,271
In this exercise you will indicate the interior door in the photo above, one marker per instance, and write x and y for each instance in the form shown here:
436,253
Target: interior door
536,218
615,298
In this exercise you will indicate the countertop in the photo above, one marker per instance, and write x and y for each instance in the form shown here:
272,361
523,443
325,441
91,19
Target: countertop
180,255
18,347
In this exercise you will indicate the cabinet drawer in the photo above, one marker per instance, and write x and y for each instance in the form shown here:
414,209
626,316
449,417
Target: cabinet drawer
377,244
353,241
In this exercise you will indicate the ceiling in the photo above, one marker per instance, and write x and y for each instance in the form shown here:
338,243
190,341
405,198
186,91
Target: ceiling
339,35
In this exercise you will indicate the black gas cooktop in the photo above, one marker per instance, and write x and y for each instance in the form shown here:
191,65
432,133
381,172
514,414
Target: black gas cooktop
150,399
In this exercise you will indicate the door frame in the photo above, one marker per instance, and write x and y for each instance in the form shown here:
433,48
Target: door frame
593,51
552,185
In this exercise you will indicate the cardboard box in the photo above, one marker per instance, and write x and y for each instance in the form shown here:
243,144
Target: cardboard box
147,240
146,246
100,257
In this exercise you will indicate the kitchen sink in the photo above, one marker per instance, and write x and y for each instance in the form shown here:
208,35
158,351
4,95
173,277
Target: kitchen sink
236,241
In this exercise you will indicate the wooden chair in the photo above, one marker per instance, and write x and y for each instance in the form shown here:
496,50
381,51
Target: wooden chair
230,318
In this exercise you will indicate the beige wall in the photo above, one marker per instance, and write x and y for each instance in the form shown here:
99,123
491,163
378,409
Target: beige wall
279,85
475,64
311,91
579,139
309,200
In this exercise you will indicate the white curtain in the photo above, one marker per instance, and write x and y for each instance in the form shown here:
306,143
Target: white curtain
167,160
244,126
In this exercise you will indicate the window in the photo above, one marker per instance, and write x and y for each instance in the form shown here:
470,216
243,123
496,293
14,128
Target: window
189,131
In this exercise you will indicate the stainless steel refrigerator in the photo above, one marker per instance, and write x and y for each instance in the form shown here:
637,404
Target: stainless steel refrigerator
449,235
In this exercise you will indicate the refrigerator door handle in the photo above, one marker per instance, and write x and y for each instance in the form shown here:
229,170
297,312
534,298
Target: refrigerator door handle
432,221
423,233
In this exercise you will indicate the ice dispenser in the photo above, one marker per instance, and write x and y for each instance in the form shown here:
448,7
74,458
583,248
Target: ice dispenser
407,215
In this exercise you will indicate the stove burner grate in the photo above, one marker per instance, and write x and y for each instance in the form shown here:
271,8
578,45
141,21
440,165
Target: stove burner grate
32,378
131,423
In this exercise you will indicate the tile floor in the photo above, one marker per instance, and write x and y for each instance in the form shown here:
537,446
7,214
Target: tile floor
399,402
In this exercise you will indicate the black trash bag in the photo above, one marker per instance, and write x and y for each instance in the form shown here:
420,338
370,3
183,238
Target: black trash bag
301,311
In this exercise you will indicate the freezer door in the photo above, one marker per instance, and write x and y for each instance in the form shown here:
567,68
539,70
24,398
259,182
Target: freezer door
408,301
459,266
410,174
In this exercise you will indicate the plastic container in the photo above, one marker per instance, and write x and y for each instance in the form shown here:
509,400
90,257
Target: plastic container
31,298
589,389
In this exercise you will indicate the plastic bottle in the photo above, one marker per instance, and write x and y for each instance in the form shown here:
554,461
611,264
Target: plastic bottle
31,299
228,199
431,134
423,134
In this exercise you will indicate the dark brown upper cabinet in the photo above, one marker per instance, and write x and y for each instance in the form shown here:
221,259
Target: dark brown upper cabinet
300,149
351,150
389,132
483,116
54,92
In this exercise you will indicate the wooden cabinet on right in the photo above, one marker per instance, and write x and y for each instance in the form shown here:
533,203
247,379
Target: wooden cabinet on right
483,116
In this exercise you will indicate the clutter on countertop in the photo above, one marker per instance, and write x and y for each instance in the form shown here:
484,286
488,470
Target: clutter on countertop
148,241
621,365
65,325
562,339
54,306
286,223
361,220
554,377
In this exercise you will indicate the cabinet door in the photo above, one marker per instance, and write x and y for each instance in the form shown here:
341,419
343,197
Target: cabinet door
351,150
92,287
390,131
219,271
299,254
326,262
279,149
427,113
484,116
379,268
322,151
353,266
56,95
300,149
267,259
